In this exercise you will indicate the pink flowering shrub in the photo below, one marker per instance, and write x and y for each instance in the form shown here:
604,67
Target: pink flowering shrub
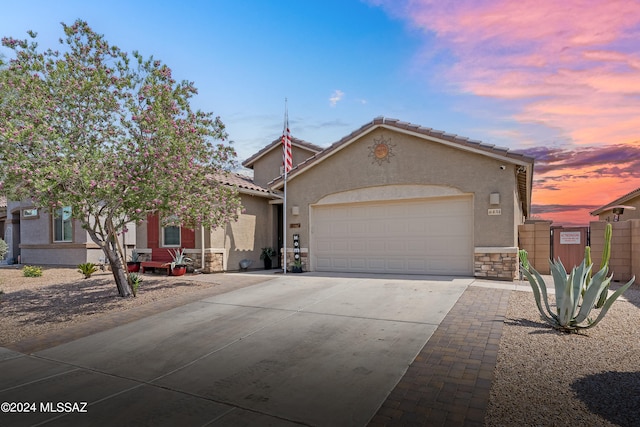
113,136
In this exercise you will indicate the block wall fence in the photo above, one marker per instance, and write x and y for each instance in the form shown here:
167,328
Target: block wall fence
535,238
625,246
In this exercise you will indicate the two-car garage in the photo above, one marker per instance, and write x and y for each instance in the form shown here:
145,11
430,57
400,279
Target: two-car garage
413,236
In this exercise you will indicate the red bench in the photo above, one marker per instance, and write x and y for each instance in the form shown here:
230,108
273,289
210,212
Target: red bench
154,265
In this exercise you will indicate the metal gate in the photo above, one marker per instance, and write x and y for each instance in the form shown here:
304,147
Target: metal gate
569,244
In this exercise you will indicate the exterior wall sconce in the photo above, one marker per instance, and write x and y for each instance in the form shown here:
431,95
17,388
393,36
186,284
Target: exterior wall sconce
494,198
295,210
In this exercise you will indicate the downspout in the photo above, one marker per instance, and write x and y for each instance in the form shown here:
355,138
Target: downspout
202,247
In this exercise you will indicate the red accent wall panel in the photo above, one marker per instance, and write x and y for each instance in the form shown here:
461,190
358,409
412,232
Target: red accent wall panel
158,253
188,238
153,231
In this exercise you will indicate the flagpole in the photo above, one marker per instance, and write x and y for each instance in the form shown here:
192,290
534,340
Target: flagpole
284,209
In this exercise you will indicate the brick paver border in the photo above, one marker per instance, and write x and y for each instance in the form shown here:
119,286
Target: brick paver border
449,381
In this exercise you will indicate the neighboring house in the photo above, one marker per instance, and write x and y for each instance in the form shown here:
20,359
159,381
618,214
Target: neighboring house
391,197
37,237
623,208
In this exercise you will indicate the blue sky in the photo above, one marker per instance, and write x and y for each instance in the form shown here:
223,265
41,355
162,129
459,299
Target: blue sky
498,71
339,63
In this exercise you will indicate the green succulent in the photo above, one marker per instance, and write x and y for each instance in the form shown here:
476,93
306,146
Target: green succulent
135,280
31,271
87,269
572,306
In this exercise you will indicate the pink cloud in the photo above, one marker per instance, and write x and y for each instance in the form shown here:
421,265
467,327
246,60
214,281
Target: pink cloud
575,62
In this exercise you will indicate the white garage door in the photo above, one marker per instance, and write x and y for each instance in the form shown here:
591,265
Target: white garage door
410,236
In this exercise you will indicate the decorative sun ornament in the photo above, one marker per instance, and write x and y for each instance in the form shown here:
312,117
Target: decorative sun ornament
381,150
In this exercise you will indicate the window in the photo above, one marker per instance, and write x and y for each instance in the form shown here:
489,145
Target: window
171,236
62,225
30,213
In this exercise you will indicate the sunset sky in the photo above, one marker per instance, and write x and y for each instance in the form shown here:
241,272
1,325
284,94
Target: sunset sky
559,81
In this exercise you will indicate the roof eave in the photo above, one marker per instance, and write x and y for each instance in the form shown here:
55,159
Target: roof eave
463,144
619,201
248,163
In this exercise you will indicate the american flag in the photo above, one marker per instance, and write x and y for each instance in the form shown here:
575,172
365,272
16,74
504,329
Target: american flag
286,146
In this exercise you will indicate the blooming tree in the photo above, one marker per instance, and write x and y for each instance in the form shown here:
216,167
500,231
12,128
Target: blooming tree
112,136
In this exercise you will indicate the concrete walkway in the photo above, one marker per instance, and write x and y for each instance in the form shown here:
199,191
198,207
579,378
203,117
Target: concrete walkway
290,350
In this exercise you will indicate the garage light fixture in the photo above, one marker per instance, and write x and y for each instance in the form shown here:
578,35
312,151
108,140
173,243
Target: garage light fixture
494,198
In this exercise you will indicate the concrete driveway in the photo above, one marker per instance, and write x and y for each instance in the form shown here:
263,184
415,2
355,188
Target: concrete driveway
305,349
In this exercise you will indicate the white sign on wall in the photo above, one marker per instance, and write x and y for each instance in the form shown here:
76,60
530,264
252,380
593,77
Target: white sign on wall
495,212
570,237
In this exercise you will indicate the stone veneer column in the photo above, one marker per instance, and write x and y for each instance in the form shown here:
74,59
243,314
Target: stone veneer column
213,262
500,263
304,257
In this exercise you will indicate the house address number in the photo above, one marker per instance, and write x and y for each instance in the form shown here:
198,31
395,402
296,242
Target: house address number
495,212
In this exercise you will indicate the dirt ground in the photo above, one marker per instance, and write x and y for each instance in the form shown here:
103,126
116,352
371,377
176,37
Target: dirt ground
61,297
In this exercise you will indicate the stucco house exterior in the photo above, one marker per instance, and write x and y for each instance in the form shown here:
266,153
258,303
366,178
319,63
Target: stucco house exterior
35,236
394,197
629,203
391,197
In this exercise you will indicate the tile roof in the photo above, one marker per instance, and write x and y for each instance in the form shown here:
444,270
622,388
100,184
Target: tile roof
525,180
631,195
276,143
242,183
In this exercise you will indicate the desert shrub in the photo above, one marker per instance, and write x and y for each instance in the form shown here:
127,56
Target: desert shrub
135,280
31,271
87,269
4,248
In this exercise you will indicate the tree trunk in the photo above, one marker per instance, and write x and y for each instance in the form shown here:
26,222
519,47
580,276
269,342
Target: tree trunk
117,266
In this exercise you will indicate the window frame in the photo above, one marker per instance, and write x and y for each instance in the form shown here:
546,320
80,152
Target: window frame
55,217
30,213
164,240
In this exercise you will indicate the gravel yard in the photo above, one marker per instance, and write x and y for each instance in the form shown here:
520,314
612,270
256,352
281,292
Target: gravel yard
61,297
549,378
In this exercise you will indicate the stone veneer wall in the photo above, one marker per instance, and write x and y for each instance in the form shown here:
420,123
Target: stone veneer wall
496,263
213,261
304,257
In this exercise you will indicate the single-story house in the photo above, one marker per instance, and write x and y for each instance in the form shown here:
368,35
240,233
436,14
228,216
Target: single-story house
622,208
391,197
35,236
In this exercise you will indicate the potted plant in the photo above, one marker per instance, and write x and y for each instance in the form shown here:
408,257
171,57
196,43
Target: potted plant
179,263
266,255
296,267
133,266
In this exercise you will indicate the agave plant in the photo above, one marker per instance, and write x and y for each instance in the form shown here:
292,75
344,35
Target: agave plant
179,258
573,307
